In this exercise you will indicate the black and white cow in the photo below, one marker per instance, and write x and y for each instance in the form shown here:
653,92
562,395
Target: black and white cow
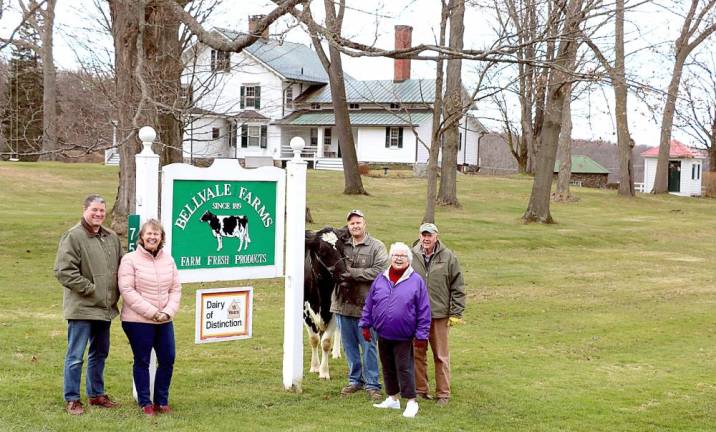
324,263
228,226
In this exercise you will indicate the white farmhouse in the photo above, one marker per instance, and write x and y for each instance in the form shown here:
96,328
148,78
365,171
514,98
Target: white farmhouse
685,166
249,105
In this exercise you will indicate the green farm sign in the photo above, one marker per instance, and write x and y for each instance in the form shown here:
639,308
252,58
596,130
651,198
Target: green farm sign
223,223
224,228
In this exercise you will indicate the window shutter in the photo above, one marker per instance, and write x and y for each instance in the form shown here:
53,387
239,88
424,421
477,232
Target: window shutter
244,136
241,98
264,130
387,137
400,138
257,97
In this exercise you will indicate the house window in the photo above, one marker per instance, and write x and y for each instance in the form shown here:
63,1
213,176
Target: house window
696,172
394,105
250,96
314,137
215,133
289,95
220,61
327,137
393,137
353,106
231,138
254,136
315,106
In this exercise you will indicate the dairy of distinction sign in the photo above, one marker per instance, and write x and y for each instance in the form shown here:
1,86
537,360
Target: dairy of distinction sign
224,222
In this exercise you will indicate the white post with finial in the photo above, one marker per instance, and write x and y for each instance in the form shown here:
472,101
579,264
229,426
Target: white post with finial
146,202
147,177
295,249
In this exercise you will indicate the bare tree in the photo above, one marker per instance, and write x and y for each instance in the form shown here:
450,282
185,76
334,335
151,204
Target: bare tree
696,110
564,150
447,194
435,137
617,76
570,16
332,63
698,25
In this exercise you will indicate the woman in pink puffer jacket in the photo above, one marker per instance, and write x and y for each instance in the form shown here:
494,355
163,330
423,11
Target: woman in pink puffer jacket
149,285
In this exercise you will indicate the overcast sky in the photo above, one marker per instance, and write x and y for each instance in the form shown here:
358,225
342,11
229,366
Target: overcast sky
372,21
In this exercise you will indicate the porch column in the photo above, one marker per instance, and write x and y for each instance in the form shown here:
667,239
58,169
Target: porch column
321,134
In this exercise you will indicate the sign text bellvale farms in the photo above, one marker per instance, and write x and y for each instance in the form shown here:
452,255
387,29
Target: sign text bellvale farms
219,224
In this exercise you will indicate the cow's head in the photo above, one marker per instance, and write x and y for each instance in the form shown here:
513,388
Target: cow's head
206,217
326,246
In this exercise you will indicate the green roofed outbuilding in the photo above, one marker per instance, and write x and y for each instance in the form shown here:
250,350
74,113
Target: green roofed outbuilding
586,172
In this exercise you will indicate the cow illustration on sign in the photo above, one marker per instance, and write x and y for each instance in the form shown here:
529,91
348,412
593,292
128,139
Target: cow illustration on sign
228,226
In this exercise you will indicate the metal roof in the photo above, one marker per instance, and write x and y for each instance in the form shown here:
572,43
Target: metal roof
380,91
584,165
677,150
294,61
359,118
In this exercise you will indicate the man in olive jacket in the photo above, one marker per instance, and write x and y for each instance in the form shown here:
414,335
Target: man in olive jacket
86,265
366,259
439,267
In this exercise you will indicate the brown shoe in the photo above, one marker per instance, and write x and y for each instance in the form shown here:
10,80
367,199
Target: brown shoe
162,409
103,401
425,396
350,389
375,394
74,408
441,402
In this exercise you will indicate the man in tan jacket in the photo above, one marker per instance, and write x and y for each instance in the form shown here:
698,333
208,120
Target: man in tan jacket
439,267
366,259
86,265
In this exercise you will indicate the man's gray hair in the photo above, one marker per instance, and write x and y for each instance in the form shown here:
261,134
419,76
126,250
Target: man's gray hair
401,247
93,198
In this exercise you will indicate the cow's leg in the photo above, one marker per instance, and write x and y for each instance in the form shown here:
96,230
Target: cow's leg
328,344
241,242
218,241
313,339
247,240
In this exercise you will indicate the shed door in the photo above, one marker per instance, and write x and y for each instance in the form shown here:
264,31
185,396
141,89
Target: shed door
674,176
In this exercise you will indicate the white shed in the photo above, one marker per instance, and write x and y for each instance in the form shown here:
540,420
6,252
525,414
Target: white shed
685,166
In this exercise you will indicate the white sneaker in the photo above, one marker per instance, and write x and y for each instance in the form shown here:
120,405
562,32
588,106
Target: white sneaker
411,408
389,402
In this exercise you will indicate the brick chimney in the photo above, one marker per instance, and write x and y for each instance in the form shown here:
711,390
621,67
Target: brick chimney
253,23
403,39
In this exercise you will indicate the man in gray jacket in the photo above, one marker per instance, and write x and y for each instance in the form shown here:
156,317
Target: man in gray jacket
86,265
366,259
439,267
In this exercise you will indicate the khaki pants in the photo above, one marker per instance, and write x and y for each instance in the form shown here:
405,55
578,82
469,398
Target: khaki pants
439,345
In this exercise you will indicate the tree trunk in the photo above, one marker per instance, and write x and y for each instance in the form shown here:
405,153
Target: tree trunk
447,195
624,141
353,184
49,82
125,16
712,149
559,77
432,169
564,151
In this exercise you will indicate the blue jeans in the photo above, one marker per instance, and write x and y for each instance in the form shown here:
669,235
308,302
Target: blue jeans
353,343
79,333
142,338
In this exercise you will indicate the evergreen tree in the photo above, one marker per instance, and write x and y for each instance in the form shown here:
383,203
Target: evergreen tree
22,117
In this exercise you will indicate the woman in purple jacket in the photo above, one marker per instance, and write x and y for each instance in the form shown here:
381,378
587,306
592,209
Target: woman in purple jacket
398,308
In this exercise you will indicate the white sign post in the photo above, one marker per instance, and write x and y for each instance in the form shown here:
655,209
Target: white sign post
295,252
146,202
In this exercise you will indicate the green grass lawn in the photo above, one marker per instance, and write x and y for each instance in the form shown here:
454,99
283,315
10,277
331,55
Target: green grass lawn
601,322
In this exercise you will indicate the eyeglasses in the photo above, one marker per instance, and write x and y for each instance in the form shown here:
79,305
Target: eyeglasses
400,256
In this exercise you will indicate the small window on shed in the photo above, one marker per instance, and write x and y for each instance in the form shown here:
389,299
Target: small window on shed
353,106
315,106
215,133
394,105
696,172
